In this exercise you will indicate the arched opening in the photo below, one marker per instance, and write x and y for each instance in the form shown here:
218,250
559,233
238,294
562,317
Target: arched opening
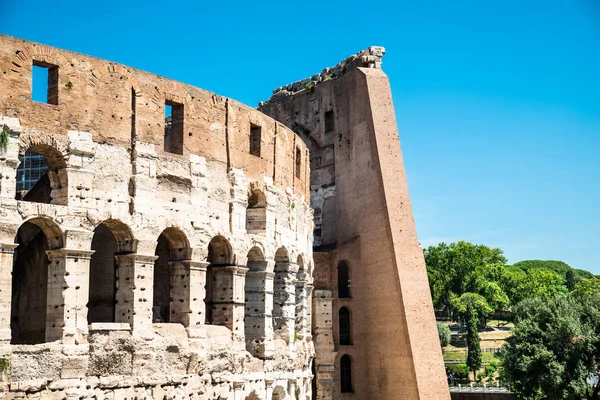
343,275
257,306
284,294
220,254
256,213
279,393
111,238
29,297
346,374
172,246
42,176
344,325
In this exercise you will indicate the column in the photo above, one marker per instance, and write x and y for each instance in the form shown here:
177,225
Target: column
258,317
135,280
300,309
323,339
68,295
269,388
238,391
188,280
228,296
284,302
7,251
308,307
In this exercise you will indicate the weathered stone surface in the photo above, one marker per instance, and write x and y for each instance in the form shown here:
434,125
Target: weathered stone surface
140,243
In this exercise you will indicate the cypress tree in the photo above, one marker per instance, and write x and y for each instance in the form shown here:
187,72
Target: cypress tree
474,355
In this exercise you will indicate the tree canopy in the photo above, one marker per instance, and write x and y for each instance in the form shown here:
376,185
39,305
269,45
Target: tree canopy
554,352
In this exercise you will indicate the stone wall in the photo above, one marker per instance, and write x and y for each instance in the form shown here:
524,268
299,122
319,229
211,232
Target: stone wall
123,204
385,344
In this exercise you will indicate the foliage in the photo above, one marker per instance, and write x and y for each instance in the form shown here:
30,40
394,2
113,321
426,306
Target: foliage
559,267
474,354
444,334
542,283
586,288
4,364
554,349
460,372
472,304
4,138
489,371
450,268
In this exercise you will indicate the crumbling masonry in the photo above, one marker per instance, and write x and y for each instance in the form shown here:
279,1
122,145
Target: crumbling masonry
167,253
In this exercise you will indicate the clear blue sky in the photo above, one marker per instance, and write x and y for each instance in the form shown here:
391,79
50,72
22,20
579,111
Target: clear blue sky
498,106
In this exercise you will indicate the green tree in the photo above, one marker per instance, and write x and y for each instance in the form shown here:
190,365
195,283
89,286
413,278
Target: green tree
555,349
542,283
570,279
450,268
472,304
474,350
444,334
586,288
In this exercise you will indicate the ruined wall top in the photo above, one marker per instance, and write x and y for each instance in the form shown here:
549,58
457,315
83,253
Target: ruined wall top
368,58
123,106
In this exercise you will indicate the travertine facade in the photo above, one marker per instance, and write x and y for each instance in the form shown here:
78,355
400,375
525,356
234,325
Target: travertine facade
153,261
168,251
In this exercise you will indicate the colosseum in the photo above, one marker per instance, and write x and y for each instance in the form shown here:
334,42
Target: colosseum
158,241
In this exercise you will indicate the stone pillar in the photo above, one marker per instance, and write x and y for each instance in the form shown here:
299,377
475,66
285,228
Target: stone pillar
135,280
300,310
258,314
308,308
9,160
188,280
324,346
228,298
68,295
238,391
239,200
269,388
284,303
7,251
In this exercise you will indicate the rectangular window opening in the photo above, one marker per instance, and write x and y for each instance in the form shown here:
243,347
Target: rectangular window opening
298,163
173,142
329,121
44,83
255,132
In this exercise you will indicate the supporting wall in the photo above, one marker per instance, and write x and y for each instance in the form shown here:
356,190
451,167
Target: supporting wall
363,215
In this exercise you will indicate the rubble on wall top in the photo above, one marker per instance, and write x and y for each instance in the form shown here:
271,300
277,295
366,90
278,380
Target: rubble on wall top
368,58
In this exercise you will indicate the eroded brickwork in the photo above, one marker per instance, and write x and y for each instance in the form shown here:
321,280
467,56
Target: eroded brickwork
373,320
160,259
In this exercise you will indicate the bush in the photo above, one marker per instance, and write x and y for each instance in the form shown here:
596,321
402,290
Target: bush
444,334
460,371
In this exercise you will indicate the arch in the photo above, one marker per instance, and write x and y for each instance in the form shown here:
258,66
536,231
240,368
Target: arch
279,393
344,326
29,294
343,279
256,213
256,259
172,247
258,301
346,374
111,238
282,255
253,396
41,175
220,252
